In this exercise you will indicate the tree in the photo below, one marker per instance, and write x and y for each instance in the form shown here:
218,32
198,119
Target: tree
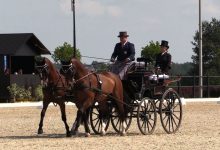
150,51
100,66
181,68
65,53
211,48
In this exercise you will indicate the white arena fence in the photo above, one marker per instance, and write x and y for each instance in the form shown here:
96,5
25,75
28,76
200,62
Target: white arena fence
40,104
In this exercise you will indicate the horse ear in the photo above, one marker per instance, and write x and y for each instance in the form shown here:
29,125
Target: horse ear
44,59
39,59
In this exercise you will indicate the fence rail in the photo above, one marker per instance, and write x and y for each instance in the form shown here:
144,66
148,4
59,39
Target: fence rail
189,86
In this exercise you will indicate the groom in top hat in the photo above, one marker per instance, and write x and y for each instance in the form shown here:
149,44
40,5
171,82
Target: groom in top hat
163,59
125,53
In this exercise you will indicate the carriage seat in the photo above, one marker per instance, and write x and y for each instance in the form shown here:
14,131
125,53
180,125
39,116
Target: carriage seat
158,78
138,67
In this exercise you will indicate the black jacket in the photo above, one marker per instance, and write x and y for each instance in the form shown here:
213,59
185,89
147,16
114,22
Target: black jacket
127,51
164,62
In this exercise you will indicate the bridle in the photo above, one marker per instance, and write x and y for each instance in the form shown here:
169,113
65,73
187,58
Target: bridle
43,71
71,70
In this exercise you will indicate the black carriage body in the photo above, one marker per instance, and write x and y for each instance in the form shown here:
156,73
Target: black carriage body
144,98
139,85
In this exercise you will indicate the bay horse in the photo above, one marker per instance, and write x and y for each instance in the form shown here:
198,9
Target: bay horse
54,90
88,88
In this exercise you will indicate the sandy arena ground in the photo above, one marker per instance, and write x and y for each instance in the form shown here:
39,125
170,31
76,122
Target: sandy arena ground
200,130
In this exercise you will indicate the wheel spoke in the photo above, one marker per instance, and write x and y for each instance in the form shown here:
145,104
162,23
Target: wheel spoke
117,122
97,123
164,117
175,106
148,127
176,117
150,124
95,119
99,126
95,113
164,105
114,117
169,122
142,108
171,118
145,127
174,120
142,124
120,125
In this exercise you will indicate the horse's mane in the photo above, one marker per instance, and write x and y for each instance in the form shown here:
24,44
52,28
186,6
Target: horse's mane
79,65
50,63
52,66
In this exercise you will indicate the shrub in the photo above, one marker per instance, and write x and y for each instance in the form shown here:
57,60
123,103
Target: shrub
38,93
14,91
17,92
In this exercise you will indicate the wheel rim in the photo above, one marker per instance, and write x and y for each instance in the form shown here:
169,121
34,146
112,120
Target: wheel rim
116,122
146,116
96,121
171,111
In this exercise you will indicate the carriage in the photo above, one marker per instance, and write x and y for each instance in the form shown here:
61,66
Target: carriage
146,95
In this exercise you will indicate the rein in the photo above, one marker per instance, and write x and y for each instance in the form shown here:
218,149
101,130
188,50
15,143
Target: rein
84,77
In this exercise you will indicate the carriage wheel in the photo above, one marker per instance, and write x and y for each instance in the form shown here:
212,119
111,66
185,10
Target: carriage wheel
170,111
116,122
96,120
146,116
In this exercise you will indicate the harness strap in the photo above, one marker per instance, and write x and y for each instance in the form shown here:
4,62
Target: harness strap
97,90
84,77
98,80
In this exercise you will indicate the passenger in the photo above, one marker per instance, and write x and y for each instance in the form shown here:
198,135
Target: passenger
125,53
163,59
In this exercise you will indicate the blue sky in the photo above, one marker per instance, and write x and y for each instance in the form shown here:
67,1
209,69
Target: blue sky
99,21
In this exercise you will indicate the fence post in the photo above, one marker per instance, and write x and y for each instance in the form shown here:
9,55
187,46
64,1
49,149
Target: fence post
178,88
194,82
207,80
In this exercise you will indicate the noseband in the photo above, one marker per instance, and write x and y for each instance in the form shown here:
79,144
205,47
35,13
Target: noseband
43,73
71,70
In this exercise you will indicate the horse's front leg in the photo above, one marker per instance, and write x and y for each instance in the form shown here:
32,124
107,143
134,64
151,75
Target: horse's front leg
43,111
85,121
77,123
63,114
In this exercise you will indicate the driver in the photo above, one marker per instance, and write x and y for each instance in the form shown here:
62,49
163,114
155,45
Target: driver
125,53
163,59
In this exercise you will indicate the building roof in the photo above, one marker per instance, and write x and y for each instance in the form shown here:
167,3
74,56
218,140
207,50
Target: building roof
11,43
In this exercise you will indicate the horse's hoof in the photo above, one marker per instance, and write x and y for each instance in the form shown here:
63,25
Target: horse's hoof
76,133
123,134
68,134
103,133
87,134
40,131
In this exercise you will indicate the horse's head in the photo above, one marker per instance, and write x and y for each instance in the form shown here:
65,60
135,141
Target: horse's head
42,69
68,70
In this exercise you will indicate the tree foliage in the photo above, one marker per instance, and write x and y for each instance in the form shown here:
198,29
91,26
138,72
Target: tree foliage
100,66
150,51
211,48
65,53
181,68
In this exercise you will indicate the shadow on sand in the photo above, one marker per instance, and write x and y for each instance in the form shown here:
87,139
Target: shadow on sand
80,135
